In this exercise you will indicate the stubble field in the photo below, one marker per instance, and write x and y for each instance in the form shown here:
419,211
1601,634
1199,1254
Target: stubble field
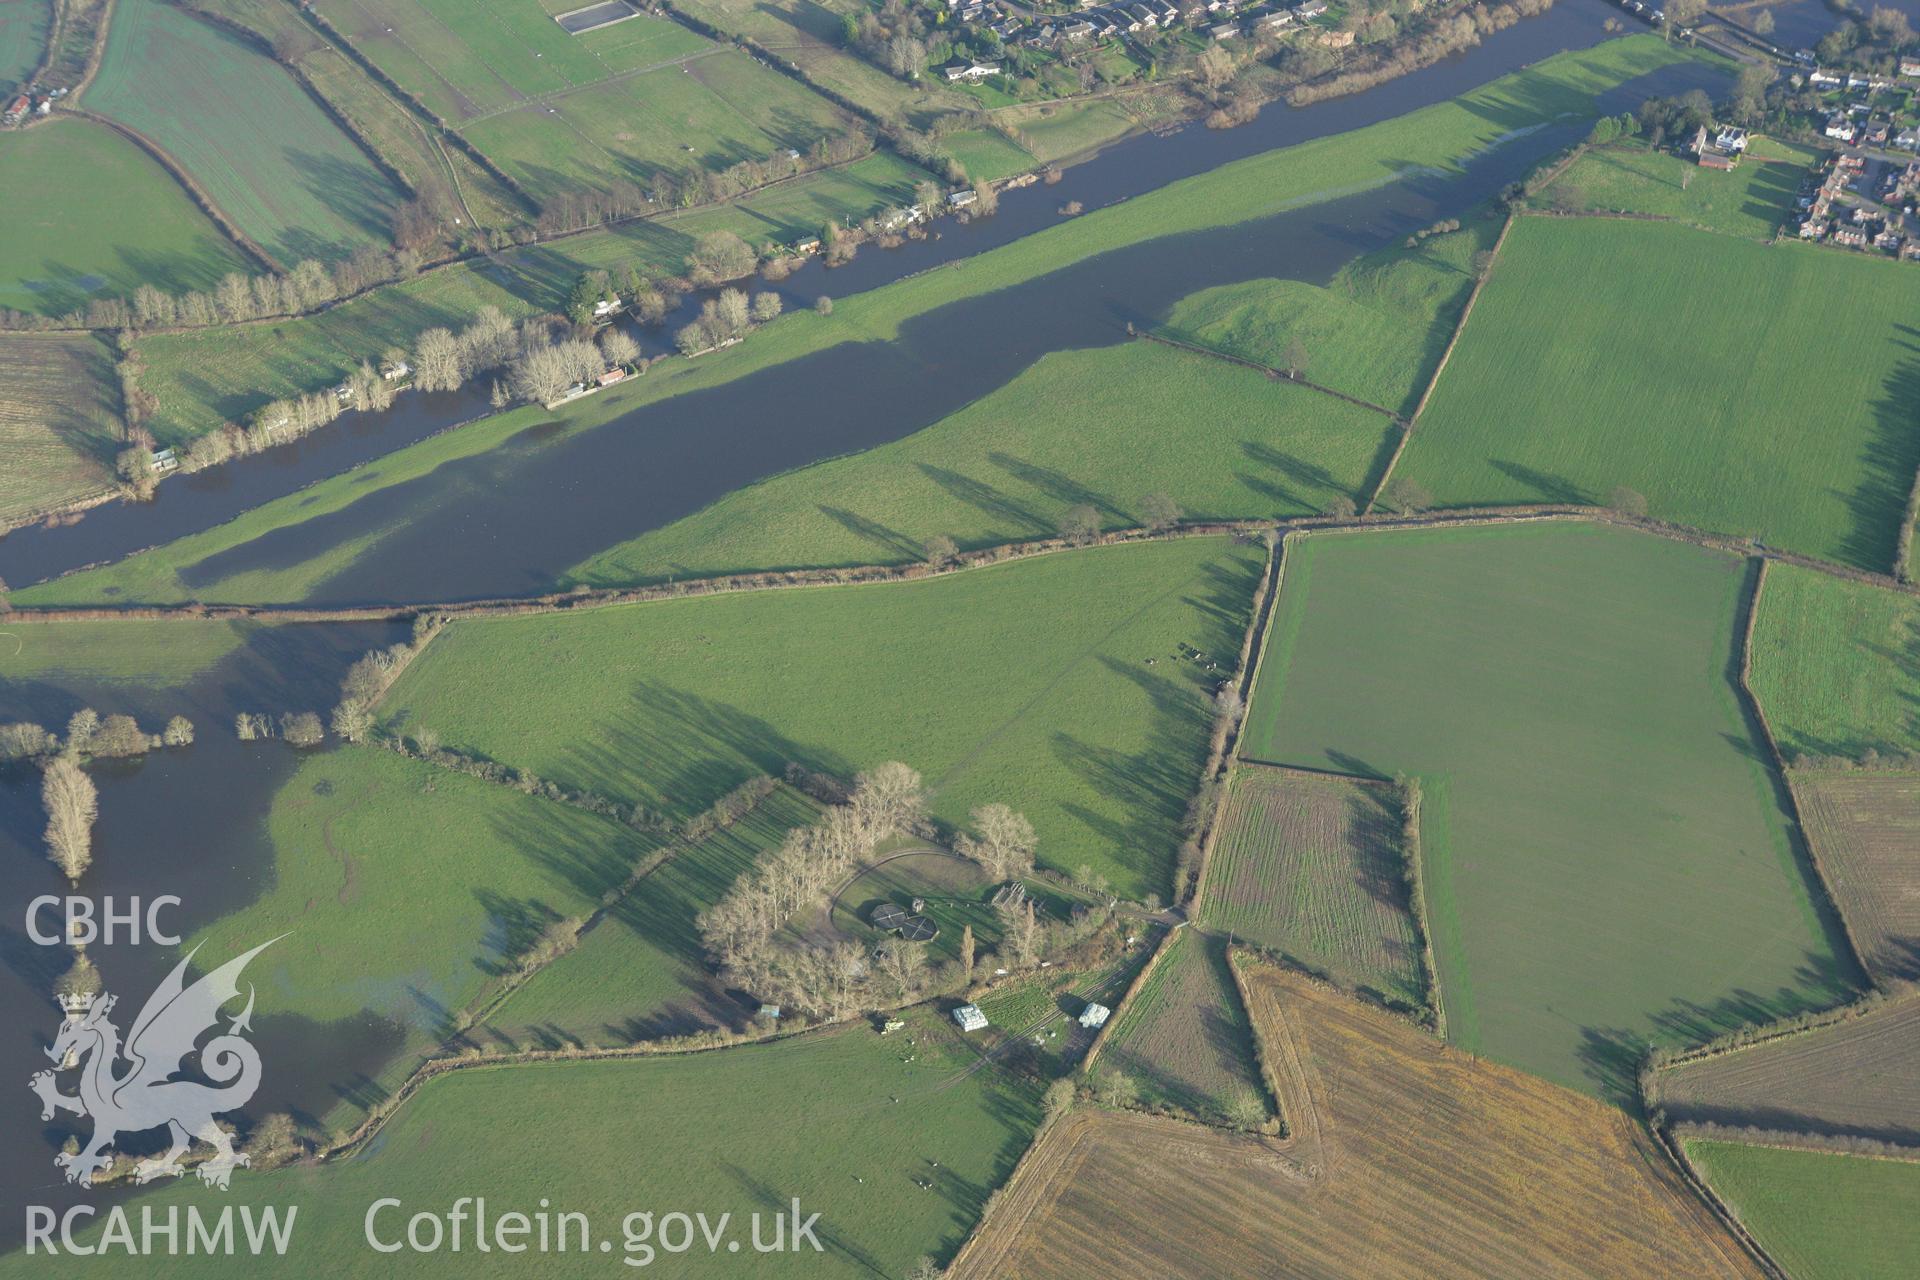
1406,1159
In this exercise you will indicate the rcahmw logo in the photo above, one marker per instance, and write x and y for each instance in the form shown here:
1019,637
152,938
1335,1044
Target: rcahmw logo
135,1086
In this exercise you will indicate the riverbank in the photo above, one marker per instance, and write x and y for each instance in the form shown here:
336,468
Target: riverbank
1434,145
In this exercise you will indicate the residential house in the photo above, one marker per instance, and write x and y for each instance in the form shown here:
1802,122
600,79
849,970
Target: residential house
1876,133
1224,30
975,71
1813,228
1310,10
1838,126
1910,67
164,460
1908,139
1821,78
1850,237
1076,32
962,198
1731,140
16,110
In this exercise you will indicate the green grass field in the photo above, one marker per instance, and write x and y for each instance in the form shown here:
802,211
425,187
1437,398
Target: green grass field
1820,1216
356,833
59,421
104,218
710,1133
467,59
1836,664
639,972
205,378
1580,371
1103,426
130,650
1026,684
1606,859
374,112
712,111
986,154
1376,331
1755,200
808,33
1185,1042
24,25
245,130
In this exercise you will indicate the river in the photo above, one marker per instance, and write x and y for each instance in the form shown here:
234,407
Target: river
720,460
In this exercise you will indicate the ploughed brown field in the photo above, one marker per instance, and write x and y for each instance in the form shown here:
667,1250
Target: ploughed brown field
1405,1159
1859,1077
1865,827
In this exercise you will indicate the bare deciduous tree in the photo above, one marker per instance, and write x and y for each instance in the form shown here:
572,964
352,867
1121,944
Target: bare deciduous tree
72,804
1002,842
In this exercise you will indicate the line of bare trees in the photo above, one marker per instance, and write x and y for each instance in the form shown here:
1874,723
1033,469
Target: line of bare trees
237,297
373,674
71,800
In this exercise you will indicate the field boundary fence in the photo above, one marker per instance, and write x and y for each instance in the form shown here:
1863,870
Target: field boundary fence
1797,833
1675,1151
1460,327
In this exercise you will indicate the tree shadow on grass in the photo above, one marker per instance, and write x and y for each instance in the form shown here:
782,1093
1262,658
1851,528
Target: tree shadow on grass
1890,462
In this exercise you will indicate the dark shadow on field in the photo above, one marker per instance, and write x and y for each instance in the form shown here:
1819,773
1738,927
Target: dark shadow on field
1060,487
1899,958
1611,1057
777,1204
1302,473
1352,764
1380,872
1787,1120
1833,931
356,193
1891,461
1013,517
1548,487
1780,183
892,543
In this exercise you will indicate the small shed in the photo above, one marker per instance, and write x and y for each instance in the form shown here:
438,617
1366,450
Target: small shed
1095,1015
970,1018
